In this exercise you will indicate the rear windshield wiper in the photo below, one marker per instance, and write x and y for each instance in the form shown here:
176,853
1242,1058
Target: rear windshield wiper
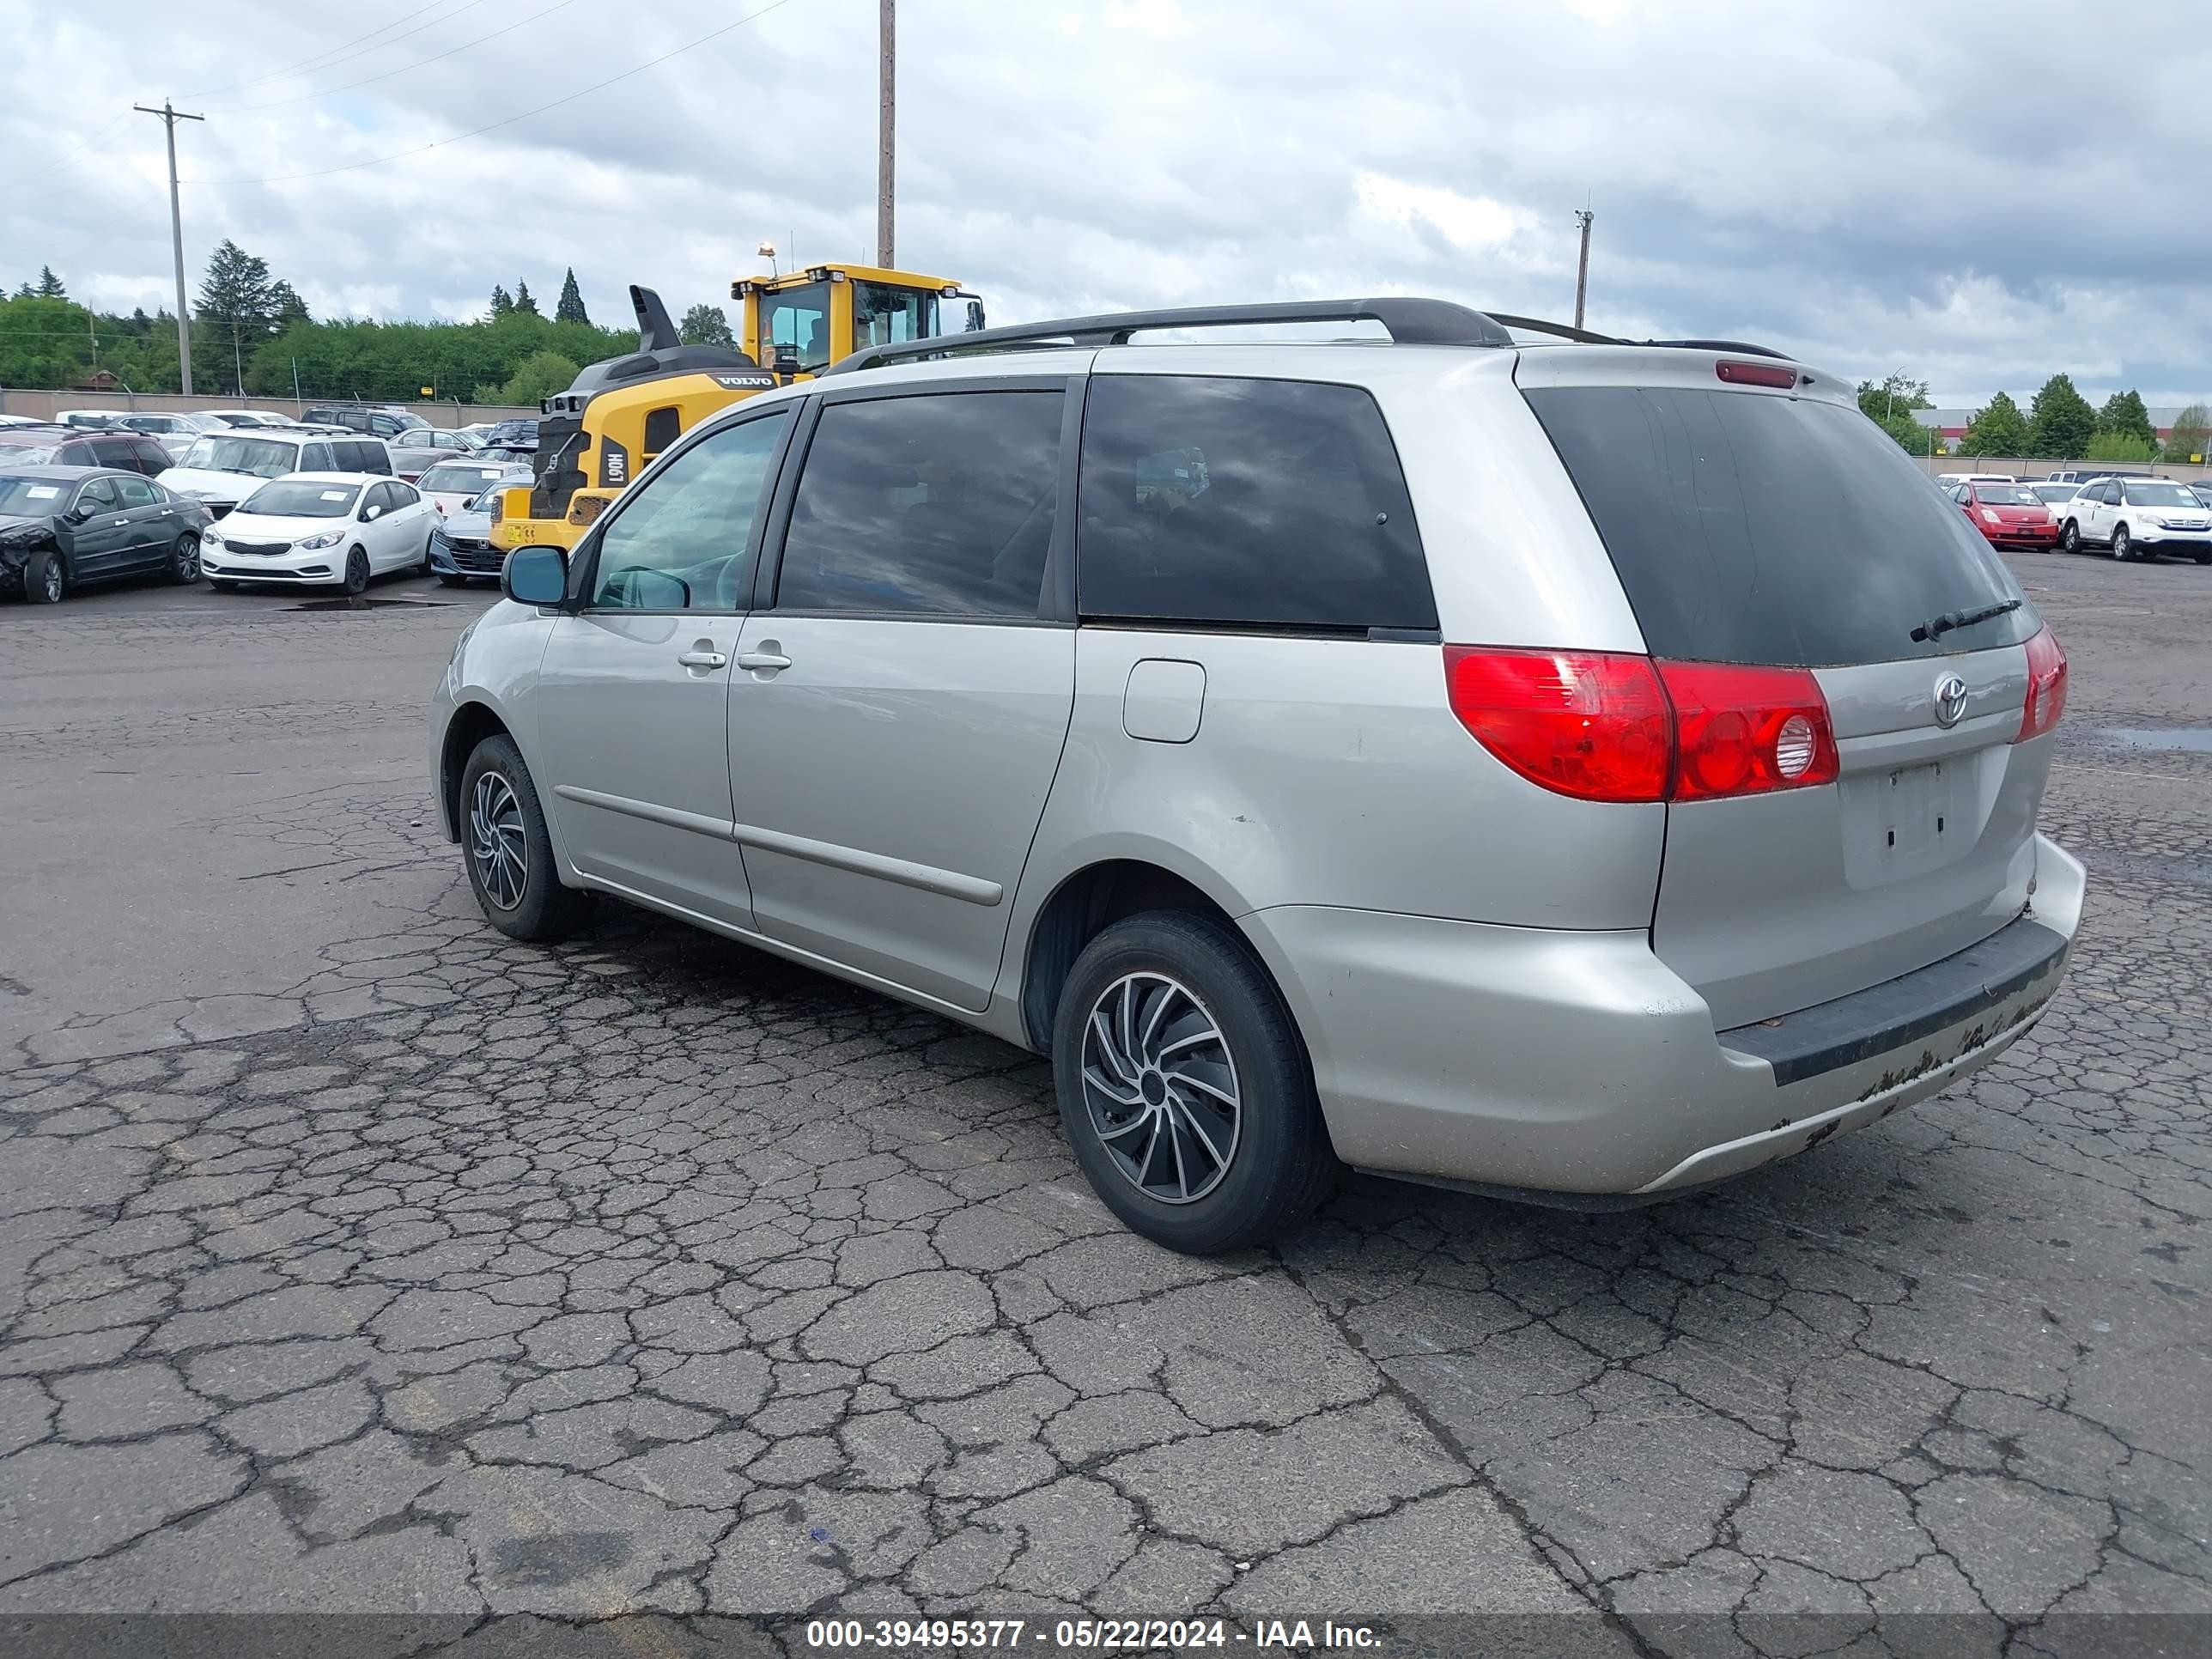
1934,627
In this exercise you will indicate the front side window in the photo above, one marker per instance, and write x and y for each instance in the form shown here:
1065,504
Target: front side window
1250,503
682,542
937,506
884,315
99,496
798,319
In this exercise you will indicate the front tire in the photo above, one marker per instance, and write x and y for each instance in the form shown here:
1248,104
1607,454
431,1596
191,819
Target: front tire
46,578
220,585
508,850
452,581
1184,1091
185,562
2123,548
2070,539
356,572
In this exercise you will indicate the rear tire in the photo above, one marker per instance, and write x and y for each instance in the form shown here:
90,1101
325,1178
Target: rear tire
45,577
1185,1092
2202,558
185,562
507,849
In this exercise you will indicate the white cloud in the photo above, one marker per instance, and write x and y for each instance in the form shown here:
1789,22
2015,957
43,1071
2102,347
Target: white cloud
1838,180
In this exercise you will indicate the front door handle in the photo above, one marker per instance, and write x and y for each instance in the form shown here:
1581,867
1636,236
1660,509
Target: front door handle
119,521
702,659
763,660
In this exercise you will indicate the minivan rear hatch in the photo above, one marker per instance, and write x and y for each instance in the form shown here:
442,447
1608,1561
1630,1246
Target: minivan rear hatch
1775,524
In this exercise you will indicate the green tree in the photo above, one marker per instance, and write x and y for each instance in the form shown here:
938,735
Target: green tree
570,307
239,301
542,374
290,307
2124,413
523,302
50,285
2060,420
2189,434
1898,394
2119,447
706,325
2000,430
502,302
43,343
1912,437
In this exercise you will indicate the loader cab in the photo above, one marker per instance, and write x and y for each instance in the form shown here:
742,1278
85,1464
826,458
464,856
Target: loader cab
800,323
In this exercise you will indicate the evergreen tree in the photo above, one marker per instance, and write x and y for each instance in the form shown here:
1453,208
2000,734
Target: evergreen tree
2124,413
50,285
25,291
2060,420
502,302
570,307
290,307
523,302
2000,430
706,325
238,299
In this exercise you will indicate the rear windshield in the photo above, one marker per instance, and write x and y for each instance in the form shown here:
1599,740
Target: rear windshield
1750,528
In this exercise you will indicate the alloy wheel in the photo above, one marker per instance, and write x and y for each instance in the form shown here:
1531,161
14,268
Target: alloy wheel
2120,549
499,844
1160,1086
51,586
188,558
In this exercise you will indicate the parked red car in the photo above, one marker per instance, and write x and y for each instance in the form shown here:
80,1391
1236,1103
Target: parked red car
2009,515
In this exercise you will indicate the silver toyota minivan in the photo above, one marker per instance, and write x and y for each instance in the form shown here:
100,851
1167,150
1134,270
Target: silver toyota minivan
1544,766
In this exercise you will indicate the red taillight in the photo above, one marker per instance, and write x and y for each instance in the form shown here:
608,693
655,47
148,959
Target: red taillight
1604,725
1589,724
2046,685
1744,730
1755,373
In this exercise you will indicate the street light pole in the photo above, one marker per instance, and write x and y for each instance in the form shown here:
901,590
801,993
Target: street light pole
170,119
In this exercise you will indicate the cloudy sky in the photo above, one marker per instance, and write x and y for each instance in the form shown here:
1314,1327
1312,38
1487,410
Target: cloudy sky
1873,185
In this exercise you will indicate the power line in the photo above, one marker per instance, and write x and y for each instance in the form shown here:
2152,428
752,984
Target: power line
332,52
326,92
494,126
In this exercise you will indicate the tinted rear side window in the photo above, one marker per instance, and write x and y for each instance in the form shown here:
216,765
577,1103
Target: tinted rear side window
1759,529
1252,503
939,505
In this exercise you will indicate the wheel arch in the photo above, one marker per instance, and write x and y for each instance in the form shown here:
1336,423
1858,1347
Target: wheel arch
471,723
1088,900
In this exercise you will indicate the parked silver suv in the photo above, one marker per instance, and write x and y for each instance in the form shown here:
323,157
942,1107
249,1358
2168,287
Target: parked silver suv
1575,769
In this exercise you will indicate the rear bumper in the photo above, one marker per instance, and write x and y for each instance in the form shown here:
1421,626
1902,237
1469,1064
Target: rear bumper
1579,1064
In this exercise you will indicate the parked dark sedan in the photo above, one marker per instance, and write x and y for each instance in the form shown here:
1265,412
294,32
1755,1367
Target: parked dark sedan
61,525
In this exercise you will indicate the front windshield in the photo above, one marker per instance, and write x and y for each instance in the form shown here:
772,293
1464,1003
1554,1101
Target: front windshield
884,315
301,498
32,498
257,457
2006,496
450,480
2160,494
37,453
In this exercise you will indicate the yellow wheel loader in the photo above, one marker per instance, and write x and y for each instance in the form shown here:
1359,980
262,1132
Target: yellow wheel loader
620,414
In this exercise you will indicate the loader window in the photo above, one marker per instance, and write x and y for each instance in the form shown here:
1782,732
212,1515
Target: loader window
882,315
798,317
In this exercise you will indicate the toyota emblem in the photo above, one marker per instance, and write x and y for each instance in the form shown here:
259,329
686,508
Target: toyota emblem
1950,700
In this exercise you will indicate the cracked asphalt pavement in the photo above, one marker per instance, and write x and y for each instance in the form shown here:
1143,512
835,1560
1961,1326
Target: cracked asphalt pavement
354,1259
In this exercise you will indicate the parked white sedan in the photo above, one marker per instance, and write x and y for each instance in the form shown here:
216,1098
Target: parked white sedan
337,529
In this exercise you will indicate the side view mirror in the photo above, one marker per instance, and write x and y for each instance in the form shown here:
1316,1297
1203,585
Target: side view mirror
786,362
535,575
76,515
369,513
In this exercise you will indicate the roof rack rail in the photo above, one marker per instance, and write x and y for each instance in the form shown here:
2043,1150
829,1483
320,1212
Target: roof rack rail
1565,330
1408,321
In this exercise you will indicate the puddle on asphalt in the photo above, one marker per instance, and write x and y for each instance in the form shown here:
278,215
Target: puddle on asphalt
370,604
2193,739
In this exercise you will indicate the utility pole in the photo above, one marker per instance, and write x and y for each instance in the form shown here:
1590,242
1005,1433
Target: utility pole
1581,266
170,119
886,149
